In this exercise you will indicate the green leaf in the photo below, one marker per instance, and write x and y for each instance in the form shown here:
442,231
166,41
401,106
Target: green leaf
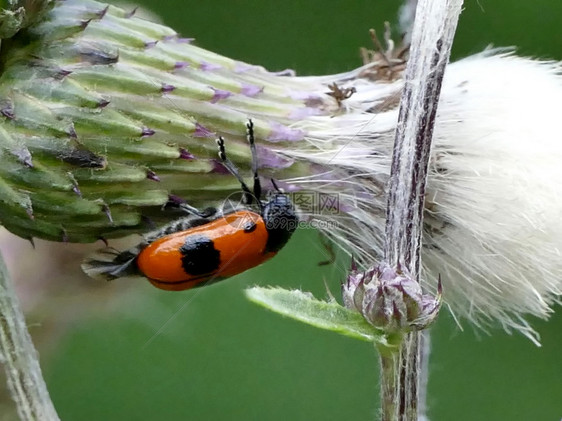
304,307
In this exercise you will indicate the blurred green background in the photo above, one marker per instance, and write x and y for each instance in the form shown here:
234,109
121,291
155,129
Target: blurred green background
209,354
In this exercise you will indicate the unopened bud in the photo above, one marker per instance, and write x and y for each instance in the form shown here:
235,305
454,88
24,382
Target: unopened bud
390,299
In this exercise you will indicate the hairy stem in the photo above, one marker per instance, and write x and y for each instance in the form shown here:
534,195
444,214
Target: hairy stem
390,368
432,37
425,351
20,359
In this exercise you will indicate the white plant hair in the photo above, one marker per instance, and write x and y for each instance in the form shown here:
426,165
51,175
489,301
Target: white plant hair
494,194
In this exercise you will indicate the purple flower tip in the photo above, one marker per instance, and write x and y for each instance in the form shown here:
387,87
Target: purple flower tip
7,111
84,24
147,132
76,190
24,156
219,94
268,158
219,168
353,265
181,65
131,13
202,131
345,208
251,90
29,212
150,44
151,175
185,154
185,40
61,74
71,131
170,37
302,113
102,12
167,88
176,200
207,67
279,132
103,103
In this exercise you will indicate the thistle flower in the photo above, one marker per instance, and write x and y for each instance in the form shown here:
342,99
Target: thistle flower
105,115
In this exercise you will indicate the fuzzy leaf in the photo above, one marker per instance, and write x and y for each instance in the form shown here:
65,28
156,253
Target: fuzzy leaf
304,307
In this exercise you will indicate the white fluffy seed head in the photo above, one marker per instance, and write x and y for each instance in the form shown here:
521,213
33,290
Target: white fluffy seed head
496,185
494,194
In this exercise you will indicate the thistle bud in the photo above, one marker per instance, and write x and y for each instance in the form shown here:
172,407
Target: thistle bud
390,299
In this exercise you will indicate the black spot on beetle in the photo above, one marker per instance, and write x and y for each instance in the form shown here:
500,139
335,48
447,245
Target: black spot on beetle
199,255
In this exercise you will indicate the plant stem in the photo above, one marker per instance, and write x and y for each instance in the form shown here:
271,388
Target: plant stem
425,350
20,359
390,368
432,37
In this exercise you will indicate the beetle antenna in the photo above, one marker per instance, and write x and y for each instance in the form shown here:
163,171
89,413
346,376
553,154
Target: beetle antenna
275,186
253,149
234,171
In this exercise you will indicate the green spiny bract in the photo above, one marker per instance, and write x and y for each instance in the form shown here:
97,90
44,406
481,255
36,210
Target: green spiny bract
104,115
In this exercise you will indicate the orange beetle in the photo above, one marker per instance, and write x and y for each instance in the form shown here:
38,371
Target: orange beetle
208,246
